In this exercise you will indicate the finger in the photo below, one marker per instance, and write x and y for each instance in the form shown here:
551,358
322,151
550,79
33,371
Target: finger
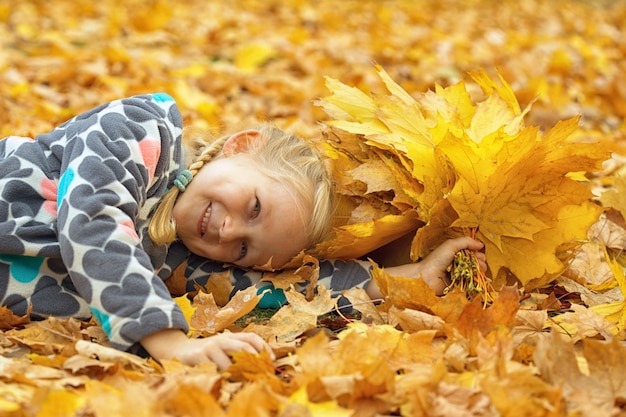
232,342
476,245
470,243
482,261
457,244
219,356
256,342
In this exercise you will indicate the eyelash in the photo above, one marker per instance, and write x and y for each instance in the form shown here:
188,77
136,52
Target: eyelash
257,209
255,213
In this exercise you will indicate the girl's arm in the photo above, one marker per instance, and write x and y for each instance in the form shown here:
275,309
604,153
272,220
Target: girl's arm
433,268
174,344
116,161
338,275
343,275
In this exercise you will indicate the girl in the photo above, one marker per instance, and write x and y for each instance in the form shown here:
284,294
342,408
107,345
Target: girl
97,214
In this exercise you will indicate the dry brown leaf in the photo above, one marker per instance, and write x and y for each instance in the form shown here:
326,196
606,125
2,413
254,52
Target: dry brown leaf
307,270
322,303
557,364
23,371
451,306
529,325
254,399
190,400
582,323
48,337
9,320
284,326
248,367
209,319
360,301
607,370
460,401
106,356
220,287
588,296
414,320
607,231
502,313
589,266
375,175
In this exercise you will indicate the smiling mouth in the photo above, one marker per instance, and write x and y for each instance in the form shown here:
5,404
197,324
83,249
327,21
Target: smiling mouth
205,220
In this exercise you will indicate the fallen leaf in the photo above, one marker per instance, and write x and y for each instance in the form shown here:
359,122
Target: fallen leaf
404,292
284,326
209,319
502,313
299,405
360,301
414,320
529,325
9,320
322,303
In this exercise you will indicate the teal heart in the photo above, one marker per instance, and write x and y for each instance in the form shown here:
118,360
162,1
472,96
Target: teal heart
24,269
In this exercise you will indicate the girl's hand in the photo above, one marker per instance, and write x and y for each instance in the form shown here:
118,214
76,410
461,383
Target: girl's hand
433,268
170,344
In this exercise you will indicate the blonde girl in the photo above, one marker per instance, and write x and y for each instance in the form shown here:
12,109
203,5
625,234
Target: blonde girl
96,215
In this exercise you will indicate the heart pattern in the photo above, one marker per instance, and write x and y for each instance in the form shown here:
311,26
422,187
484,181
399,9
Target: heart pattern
74,206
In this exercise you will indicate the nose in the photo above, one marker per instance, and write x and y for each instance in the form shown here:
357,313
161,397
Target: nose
232,229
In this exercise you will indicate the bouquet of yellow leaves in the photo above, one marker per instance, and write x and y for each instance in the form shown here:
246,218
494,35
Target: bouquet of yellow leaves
440,164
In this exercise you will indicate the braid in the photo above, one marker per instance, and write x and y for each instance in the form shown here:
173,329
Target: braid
162,228
282,157
207,155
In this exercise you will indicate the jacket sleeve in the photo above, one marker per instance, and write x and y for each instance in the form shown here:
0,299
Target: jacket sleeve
335,275
114,159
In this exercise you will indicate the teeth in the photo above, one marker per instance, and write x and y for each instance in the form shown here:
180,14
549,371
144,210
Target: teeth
205,220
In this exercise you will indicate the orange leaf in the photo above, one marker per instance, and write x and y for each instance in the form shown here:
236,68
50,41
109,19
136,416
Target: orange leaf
475,318
9,320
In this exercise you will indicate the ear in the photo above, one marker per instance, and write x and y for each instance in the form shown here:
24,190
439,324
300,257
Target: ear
240,141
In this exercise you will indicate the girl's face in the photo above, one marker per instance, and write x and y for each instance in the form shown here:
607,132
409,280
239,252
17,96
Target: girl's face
232,212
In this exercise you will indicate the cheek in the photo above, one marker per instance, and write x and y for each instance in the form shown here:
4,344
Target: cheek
177,210
209,252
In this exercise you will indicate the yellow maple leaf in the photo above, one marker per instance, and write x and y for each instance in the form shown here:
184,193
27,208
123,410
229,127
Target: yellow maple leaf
404,292
355,240
351,108
570,226
185,305
615,311
479,168
322,409
62,403
252,56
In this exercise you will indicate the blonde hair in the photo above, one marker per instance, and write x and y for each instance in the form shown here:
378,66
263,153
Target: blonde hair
281,156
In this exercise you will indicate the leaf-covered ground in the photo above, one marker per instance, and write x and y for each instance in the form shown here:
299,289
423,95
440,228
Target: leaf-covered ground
554,351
